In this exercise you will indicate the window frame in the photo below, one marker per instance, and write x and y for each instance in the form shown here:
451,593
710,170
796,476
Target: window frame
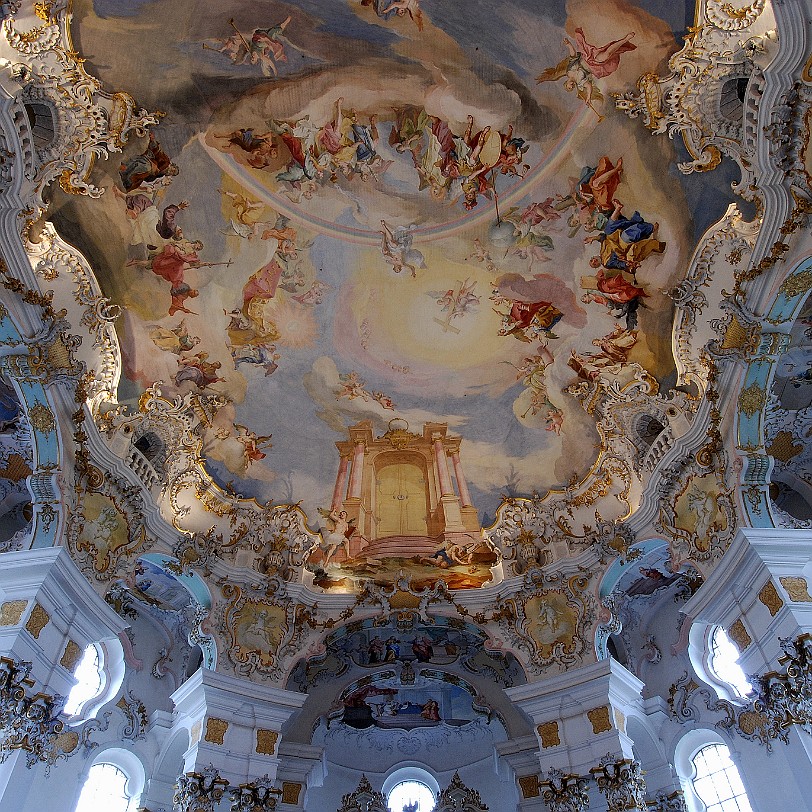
687,748
410,772
111,672
700,652
129,764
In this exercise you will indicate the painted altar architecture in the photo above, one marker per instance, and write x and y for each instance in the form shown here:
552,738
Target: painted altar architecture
405,397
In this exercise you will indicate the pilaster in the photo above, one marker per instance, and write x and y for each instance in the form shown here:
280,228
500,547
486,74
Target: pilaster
49,614
234,725
759,592
580,716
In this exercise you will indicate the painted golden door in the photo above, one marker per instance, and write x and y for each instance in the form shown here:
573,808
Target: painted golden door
400,500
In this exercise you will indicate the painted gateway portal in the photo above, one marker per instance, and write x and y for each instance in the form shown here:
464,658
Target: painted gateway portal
357,214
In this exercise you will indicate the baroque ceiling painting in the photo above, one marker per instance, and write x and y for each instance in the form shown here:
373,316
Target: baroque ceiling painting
405,356
381,225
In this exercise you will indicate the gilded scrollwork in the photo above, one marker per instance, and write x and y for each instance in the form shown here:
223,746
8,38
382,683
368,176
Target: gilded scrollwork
716,60
257,624
565,792
458,796
549,619
731,16
364,799
136,714
781,699
107,528
696,506
621,781
199,791
255,796
88,122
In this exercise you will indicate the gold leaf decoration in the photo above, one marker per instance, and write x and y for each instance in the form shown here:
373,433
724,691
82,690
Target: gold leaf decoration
752,399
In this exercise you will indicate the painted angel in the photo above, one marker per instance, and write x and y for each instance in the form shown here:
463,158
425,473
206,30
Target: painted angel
396,247
400,7
264,46
243,207
176,339
584,64
339,533
252,444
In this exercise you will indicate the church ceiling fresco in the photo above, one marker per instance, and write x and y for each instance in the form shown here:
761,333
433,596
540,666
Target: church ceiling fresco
372,211
407,308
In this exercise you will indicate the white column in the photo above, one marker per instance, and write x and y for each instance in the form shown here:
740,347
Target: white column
49,614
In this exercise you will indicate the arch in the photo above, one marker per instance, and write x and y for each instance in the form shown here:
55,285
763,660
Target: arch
46,440
153,448
127,762
687,748
111,670
412,771
647,428
43,123
169,764
731,98
759,374
700,643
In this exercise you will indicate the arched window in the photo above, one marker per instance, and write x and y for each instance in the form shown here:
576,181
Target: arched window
411,788
98,675
410,796
715,657
107,788
114,783
710,780
716,780
723,662
90,681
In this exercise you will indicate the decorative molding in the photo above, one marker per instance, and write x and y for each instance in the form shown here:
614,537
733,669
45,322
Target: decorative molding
291,792
547,618
781,699
137,717
266,742
599,719
11,612
770,598
549,735
70,656
739,635
564,792
199,791
28,721
529,785
89,122
364,799
687,101
664,802
621,781
37,621
256,796
797,588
